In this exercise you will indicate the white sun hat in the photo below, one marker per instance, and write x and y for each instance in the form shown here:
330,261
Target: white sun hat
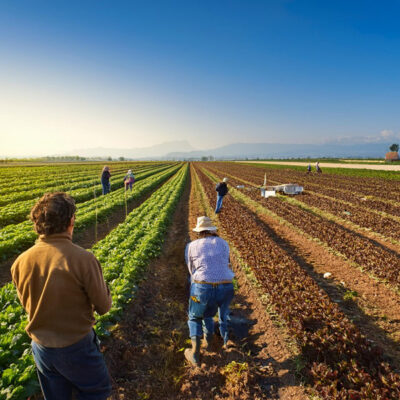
225,180
204,224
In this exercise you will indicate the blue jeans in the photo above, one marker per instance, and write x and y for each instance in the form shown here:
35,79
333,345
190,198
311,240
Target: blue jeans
78,368
106,187
204,302
219,203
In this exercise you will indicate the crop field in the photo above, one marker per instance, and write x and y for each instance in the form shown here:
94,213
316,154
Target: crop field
317,274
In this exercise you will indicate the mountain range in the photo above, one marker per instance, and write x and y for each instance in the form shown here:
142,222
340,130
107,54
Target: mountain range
182,150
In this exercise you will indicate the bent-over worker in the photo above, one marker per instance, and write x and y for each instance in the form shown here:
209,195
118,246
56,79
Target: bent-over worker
129,180
211,287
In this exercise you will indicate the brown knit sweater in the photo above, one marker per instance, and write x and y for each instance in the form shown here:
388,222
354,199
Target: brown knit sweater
60,285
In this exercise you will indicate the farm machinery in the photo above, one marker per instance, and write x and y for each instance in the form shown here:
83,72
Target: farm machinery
268,191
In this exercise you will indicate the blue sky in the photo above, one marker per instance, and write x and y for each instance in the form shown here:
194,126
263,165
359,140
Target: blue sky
138,73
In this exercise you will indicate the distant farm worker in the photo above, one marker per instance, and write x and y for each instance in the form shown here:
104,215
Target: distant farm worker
105,180
129,180
317,167
222,190
60,285
211,287
309,169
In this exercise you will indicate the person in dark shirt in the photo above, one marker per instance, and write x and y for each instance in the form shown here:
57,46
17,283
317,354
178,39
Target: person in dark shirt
105,180
222,190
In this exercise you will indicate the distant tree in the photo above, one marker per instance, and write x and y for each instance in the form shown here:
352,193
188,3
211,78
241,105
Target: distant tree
204,158
394,147
121,158
109,159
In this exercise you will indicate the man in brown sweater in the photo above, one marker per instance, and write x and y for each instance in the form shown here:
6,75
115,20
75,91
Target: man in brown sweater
60,285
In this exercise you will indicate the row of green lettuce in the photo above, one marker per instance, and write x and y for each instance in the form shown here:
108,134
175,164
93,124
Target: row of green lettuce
17,211
32,188
16,178
124,254
17,237
11,176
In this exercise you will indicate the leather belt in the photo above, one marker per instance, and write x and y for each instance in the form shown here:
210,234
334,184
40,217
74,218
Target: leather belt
212,283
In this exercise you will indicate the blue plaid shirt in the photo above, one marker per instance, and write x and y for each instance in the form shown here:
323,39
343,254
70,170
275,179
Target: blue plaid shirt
208,260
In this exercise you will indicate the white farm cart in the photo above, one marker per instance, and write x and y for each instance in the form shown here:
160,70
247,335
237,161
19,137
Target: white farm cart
287,188
267,191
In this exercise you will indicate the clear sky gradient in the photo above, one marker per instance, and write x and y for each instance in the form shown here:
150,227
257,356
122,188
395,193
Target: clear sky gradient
80,74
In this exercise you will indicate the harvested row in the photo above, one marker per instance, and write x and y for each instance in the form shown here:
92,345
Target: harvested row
143,243
15,238
339,362
364,252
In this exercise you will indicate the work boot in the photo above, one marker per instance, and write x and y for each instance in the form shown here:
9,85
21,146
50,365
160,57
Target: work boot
228,345
208,340
193,354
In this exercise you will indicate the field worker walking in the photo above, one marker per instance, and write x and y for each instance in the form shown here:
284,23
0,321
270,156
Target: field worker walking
105,180
60,285
309,169
129,180
222,190
317,167
211,288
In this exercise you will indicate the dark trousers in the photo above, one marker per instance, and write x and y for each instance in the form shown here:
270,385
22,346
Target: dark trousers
106,187
79,368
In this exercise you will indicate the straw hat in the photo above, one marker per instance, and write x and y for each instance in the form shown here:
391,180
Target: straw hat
204,224
225,180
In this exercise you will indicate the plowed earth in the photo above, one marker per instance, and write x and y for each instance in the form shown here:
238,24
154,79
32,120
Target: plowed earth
145,354
327,337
